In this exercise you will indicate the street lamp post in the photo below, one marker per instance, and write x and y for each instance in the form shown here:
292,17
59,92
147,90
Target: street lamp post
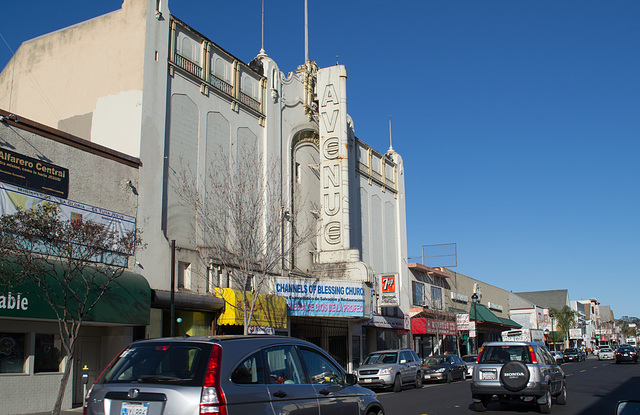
474,298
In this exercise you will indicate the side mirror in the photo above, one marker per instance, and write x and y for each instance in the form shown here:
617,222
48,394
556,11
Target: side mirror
628,408
350,379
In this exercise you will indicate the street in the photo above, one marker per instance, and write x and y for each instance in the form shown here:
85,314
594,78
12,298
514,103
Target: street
594,387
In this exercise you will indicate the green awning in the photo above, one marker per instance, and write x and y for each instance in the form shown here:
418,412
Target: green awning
482,314
510,323
127,301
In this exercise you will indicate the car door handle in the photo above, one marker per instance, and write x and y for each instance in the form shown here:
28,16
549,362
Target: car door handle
324,392
279,394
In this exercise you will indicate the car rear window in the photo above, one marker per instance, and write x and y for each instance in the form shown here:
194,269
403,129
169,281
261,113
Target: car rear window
163,363
504,354
378,358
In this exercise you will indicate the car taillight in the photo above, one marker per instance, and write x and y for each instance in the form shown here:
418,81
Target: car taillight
532,355
479,354
212,400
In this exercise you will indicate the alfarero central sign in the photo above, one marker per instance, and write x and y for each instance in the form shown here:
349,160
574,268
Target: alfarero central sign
35,174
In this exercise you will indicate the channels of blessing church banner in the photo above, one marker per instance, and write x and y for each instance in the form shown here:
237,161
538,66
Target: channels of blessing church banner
328,298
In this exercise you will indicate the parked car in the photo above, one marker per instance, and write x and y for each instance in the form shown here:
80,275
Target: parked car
470,360
228,375
558,356
391,369
626,354
573,355
606,353
522,371
444,367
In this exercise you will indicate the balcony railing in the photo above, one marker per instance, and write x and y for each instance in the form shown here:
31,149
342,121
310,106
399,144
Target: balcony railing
250,102
221,85
191,67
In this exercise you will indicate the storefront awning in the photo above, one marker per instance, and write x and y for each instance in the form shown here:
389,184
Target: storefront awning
269,311
421,325
126,301
481,314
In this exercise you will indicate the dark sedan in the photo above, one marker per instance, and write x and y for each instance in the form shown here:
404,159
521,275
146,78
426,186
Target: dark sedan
626,354
444,367
573,355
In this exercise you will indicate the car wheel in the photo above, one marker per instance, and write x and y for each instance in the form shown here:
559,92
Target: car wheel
449,377
418,383
545,408
514,376
376,412
397,384
482,405
562,398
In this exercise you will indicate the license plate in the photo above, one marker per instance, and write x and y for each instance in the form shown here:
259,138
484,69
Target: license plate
488,375
134,408
368,380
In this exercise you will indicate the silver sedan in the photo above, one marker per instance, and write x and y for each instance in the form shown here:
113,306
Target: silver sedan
606,353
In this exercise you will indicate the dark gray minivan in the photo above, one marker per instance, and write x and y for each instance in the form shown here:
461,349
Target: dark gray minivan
227,375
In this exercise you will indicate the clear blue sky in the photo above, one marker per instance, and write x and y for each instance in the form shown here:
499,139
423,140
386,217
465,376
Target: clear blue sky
518,121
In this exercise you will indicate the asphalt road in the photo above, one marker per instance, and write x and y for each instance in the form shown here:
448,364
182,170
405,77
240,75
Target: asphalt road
594,387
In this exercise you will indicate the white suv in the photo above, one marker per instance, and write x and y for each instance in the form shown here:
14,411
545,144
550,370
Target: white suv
517,370
391,369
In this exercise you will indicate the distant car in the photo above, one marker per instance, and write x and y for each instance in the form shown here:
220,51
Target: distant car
626,354
391,369
573,355
444,367
606,353
227,374
470,360
558,356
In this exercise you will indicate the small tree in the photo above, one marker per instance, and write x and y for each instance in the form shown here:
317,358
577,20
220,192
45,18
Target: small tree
565,319
242,221
69,265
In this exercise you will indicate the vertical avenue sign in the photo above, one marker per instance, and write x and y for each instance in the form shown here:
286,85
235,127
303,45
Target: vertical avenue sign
334,174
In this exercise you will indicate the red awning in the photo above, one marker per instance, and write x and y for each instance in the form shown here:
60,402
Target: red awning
433,326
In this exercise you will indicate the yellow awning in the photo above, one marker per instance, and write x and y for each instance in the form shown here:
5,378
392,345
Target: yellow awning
270,310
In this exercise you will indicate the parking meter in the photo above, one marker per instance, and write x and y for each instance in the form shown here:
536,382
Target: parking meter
85,380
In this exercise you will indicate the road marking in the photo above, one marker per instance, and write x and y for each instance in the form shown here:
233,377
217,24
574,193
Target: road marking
583,370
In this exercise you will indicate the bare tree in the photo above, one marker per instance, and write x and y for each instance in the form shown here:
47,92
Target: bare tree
68,265
242,221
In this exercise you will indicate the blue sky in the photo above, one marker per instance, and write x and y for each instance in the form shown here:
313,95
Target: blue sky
518,121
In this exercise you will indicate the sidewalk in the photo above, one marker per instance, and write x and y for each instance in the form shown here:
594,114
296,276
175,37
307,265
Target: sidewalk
74,411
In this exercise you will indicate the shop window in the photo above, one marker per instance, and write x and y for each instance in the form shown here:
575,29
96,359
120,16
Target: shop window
436,298
12,352
184,275
48,353
418,293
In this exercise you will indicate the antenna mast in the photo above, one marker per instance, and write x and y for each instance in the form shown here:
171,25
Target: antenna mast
306,30
262,45
390,139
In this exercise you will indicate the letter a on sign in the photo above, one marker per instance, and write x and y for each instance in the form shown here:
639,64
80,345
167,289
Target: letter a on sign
388,283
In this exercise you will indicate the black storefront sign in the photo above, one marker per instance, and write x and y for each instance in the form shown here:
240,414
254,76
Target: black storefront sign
34,174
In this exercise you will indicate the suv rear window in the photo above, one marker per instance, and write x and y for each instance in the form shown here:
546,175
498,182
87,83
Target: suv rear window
378,358
504,354
166,363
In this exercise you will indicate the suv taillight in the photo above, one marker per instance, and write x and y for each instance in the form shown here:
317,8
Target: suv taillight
532,354
479,354
212,400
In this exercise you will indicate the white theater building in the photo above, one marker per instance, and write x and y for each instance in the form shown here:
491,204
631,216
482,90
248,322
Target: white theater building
146,84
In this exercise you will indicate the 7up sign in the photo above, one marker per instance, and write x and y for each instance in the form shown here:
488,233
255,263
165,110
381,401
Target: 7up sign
388,290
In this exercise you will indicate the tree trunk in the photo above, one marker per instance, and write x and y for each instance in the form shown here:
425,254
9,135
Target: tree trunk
68,368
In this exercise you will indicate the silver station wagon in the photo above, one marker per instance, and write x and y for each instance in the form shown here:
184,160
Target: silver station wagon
227,375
